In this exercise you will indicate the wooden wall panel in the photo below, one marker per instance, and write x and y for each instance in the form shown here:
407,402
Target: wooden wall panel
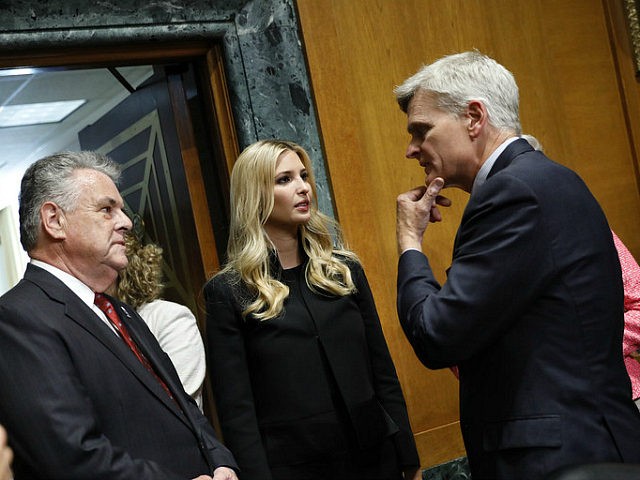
565,63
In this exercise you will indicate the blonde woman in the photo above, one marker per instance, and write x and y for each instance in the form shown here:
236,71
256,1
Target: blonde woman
174,325
304,383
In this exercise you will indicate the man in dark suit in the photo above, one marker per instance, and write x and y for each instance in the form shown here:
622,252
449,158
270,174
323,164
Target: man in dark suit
532,309
77,400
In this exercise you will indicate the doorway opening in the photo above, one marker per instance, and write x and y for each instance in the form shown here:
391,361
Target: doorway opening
164,115
166,119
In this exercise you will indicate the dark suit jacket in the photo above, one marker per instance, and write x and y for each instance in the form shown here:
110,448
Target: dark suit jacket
79,405
274,380
532,313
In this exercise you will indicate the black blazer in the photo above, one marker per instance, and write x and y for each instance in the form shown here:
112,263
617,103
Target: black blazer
78,404
532,313
273,392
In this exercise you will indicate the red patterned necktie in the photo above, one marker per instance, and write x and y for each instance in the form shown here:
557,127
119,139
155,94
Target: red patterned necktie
105,305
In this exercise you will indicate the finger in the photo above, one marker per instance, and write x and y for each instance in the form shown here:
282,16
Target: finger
431,194
415,193
444,201
433,189
435,215
410,197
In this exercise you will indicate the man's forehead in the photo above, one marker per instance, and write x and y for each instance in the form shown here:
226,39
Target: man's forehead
97,187
421,104
418,116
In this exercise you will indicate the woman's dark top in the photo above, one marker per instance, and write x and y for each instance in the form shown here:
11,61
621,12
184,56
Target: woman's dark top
314,384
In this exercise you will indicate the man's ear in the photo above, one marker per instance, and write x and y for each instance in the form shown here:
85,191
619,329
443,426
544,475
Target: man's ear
53,220
477,117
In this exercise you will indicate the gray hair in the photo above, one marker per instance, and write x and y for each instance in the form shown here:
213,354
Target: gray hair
50,179
457,79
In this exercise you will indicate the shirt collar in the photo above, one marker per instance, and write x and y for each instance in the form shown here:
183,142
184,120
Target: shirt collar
486,167
76,286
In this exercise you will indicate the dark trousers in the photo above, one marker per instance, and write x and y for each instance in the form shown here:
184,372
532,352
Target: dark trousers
379,463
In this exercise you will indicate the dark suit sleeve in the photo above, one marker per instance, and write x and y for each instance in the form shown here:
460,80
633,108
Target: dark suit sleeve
231,381
219,455
49,414
501,262
385,378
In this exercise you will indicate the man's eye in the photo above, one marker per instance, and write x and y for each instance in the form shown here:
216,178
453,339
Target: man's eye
420,132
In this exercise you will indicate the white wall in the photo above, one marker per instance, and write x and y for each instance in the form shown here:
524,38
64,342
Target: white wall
13,258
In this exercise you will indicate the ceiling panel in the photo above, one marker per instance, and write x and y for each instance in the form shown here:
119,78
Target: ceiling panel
20,146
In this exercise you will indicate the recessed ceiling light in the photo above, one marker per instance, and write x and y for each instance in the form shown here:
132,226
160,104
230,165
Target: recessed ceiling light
9,72
37,113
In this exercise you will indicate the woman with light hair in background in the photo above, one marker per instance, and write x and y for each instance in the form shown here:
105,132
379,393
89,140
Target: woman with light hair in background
174,325
304,383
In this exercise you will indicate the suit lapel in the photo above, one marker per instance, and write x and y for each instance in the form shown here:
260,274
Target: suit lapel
133,322
80,313
136,325
77,310
140,334
503,161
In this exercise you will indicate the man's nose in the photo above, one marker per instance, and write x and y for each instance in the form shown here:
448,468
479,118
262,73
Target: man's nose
412,151
125,221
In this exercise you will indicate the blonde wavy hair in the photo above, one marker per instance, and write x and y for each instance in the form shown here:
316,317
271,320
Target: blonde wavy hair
249,250
141,281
